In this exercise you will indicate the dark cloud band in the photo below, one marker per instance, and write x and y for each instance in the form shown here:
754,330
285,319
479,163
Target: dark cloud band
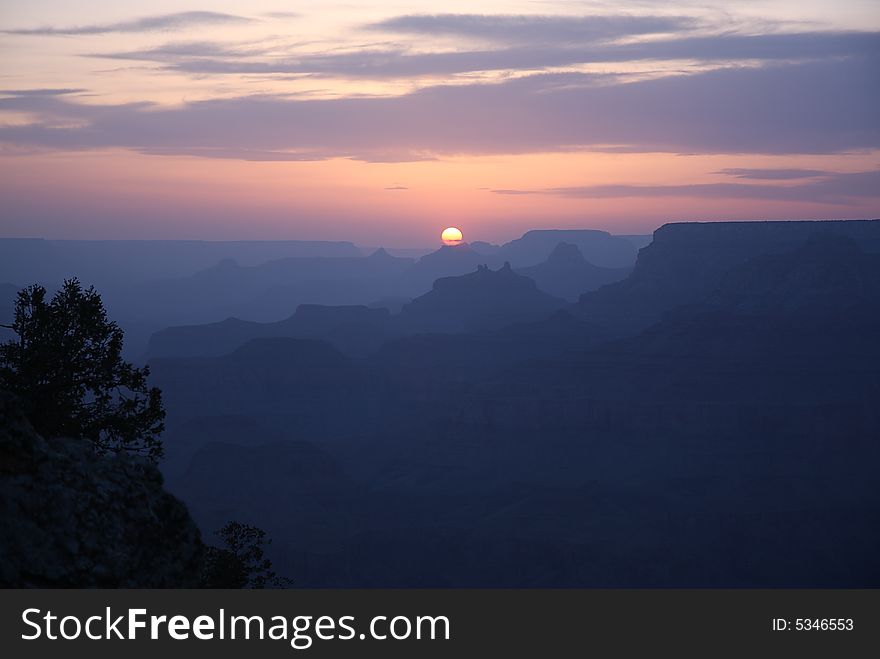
530,28
162,22
813,107
207,58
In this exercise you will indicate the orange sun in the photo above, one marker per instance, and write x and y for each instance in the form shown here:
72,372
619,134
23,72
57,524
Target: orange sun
451,236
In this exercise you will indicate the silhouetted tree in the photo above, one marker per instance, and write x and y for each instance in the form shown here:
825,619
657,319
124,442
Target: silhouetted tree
66,367
240,563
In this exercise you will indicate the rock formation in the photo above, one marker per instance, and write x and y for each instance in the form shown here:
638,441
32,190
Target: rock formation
70,518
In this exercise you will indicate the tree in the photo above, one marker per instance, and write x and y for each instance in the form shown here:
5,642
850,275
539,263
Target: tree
66,366
240,563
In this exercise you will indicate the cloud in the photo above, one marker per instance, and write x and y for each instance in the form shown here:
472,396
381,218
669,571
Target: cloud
48,106
739,47
41,92
236,153
158,23
533,29
397,187
181,51
838,189
814,107
772,174
399,63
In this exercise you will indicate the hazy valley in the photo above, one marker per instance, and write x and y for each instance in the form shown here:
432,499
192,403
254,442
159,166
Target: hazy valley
699,412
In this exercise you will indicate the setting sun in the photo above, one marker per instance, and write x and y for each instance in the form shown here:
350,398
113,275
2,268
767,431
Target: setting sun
451,236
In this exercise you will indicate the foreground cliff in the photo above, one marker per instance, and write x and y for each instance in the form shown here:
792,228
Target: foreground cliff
71,518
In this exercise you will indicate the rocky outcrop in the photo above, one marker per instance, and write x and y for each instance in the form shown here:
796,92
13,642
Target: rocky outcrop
687,261
484,299
829,274
448,261
353,329
70,518
302,381
567,274
597,247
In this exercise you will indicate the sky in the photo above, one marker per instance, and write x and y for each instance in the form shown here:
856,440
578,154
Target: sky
384,122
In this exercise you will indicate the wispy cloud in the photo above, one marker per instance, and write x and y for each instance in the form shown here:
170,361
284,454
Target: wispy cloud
181,51
41,92
837,189
772,174
157,23
218,58
533,29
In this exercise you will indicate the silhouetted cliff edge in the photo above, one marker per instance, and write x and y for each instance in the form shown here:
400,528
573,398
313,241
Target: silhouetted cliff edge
485,299
686,262
72,519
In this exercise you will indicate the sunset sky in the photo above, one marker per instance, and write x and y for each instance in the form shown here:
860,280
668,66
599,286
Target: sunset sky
383,122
